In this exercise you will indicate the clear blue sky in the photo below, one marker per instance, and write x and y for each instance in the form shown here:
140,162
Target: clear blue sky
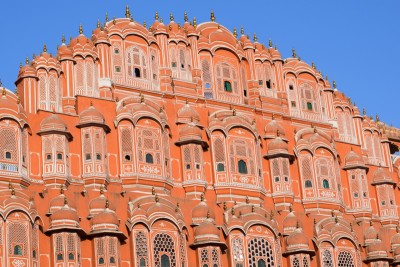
355,42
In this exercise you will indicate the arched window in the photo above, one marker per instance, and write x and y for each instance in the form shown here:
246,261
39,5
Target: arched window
261,252
227,78
242,167
165,261
149,158
325,184
142,262
305,262
34,254
220,167
141,248
207,78
112,260
101,260
308,184
136,63
60,257
8,155
71,256
227,86
17,250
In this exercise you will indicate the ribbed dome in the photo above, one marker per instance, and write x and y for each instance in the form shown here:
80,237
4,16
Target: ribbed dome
188,114
206,231
59,202
65,52
53,123
100,36
106,217
278,145
376,249
371,233
290,222
396,251
65,213
297,240
83,46
201,212
395,240
352,159
190,132
100,203
382,176
273,128
91,116
27,71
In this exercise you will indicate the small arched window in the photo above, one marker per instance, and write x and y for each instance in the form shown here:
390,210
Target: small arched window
165,261
227,86
149,158
239,265
242,167
142,262
34,254
71,256
112,260
137,72
205,265
8,155
17,250
261,263
220,167
325,184
101,260
308,184
60,257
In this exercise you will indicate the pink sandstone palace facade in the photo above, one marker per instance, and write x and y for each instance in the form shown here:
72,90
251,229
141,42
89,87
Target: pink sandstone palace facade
190,145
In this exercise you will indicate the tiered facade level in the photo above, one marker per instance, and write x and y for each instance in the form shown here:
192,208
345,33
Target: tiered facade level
186,145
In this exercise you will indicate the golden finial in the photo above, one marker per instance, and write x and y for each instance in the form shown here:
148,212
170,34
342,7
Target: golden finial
208,214
364,112
247,200
4,92
234,112
80,29
44,48
194,22
185,17
202,197
271,215
252,208
63,39
241,30
334,84
13,192
65,201
235,32
156,198
10,186
107,204
278,133
290,208
156,16
102,189
336,219
315,221
98,24
333,213
161,20
351,227
114,20
370,223
377,118
313,65
91,103
270,43
141,98
153,191
144,24
127,12
224,206
61,190
294,55
255,37
171,17
18,98
212,16
232,211
177,207
106,16
297,225
326,77
20,65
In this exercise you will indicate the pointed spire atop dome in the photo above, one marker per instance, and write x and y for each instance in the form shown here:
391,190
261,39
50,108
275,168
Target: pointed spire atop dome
171,17
270,43
98,24
242,30
255,37
107,17
127,12
80,29
294,55
194,22
63,39
44,48
212,16
185,17
235,32
27,61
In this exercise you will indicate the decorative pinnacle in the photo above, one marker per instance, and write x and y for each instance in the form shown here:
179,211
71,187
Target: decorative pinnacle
377,118
65,201
212,16
107,17
61,190
202,197
144,24
44,48
185,17
98,24
63,39
326,77
241,30
107,204
153,191
235,32
156,198
127,12
156,17
194,22
290,208
270,43
334,84
27,61
255,37
313,65
294,55
224,206
208,214
364,112
80,29
171,17
247,200
297,225
252,208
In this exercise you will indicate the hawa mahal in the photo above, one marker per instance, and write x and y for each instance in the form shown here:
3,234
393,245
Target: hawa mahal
190,145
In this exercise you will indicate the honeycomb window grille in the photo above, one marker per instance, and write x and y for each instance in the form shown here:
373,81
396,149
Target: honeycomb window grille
8,144
259,248
142,254
136,63
182,249
164,245
345,259
305,262
204,256
17,234
327,260
295,262
215,257
237,250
